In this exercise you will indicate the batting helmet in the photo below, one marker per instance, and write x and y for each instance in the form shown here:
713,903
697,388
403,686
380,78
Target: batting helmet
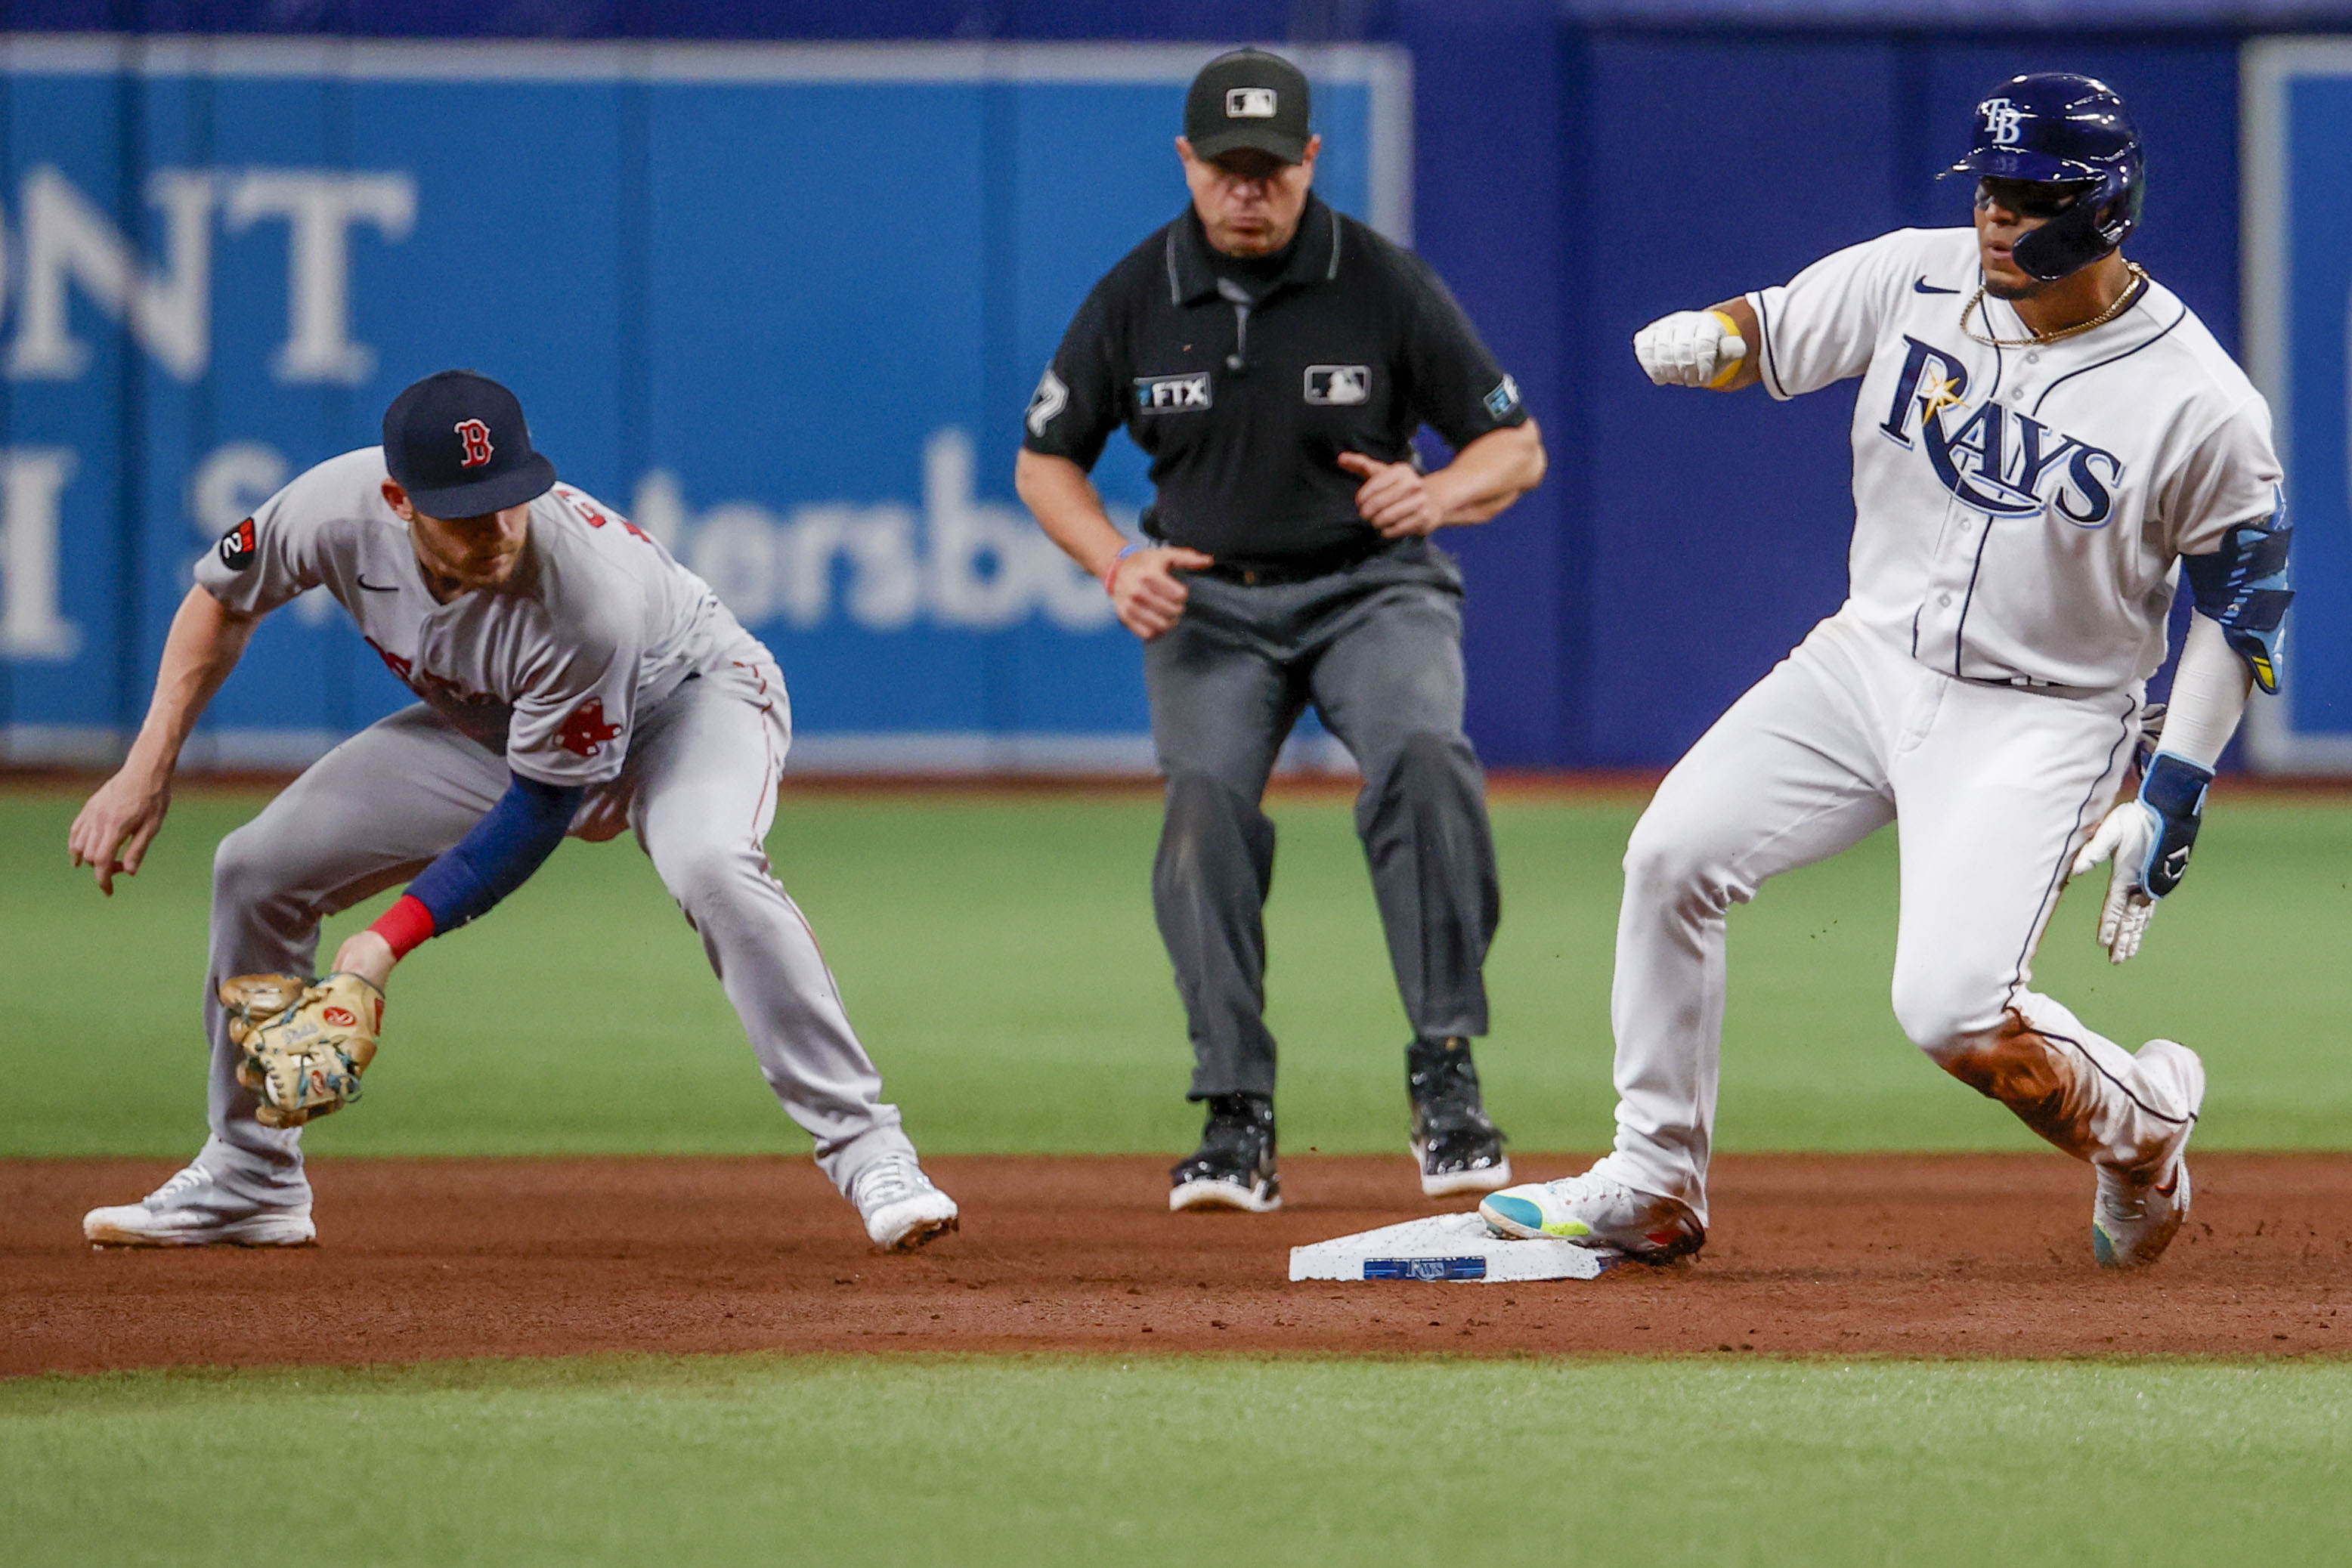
2056,127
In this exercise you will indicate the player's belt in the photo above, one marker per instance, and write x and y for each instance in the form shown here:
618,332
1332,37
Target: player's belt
1277,570
2038,688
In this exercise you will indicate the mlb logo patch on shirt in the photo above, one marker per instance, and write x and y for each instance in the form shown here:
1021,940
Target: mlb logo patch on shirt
1172,394
1342,384
1503,398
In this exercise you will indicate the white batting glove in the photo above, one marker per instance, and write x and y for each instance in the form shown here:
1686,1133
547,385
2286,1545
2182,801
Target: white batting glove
2124,836
1691,349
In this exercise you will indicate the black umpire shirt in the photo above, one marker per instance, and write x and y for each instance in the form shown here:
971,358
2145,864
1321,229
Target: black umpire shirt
1246,378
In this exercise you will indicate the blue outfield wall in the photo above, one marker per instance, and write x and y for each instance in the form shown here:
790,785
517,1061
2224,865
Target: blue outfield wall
787,305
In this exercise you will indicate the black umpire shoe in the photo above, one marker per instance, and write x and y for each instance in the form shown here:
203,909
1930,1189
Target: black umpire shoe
1233,1167
1459,1149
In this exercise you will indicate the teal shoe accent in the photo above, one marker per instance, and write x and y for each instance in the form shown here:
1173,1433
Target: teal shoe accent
2100,1248
1516,1210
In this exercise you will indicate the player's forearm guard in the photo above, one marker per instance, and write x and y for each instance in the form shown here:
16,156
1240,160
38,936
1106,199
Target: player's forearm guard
513,839
2246,587
2173,790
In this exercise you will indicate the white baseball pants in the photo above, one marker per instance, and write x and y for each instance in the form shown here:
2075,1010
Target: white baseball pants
700,789
1993,789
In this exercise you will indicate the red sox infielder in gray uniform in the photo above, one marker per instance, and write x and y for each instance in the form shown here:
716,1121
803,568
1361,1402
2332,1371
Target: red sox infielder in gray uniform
574,679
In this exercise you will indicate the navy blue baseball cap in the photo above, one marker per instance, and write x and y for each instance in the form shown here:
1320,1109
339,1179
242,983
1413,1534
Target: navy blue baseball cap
457,443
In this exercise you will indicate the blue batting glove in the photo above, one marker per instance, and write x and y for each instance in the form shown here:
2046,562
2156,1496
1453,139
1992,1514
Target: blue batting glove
2148,838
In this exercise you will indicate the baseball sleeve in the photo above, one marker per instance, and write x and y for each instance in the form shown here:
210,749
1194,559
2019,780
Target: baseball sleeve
272,556
1822,326
2231,478
1077,403
1453,382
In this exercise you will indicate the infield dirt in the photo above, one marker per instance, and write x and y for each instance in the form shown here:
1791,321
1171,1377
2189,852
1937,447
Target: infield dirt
1857,1255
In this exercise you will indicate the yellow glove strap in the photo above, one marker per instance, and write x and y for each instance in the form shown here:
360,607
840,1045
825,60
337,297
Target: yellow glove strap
1730,371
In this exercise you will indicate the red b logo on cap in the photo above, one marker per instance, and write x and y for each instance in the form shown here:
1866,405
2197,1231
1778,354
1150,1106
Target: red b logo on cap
476,437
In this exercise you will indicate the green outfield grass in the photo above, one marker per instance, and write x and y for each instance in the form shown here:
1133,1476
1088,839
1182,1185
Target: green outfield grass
1000,960
978,1461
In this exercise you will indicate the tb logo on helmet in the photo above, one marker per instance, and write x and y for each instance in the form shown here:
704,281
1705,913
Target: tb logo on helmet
2003,122
476,437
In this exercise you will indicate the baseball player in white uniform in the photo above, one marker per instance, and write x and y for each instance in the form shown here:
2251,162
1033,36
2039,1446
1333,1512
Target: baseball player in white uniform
2044,438
574,679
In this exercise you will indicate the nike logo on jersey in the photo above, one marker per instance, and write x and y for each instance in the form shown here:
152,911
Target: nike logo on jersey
1924,287
372,588
2000,461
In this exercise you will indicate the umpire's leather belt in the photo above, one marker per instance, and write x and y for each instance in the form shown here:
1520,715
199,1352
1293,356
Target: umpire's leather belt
1282,569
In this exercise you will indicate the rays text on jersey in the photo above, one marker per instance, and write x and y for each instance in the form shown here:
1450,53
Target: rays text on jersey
1998,461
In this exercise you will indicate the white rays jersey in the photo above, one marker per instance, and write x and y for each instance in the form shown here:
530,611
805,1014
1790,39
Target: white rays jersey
2019,517
553,670
2019,511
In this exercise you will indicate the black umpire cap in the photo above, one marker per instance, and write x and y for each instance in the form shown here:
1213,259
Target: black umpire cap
457,443
1247,98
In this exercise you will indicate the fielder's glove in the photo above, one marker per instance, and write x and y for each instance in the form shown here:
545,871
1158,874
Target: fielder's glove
306,1043
2148,837
1691,349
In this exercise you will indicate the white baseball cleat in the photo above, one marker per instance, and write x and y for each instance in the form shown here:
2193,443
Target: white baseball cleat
900,1206
2139,1212
191,1210
1591,1210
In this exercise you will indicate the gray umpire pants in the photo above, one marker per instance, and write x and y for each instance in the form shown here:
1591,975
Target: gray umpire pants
1378,650
700,789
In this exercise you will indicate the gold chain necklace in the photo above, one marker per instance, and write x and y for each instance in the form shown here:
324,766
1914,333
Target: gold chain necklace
2125,301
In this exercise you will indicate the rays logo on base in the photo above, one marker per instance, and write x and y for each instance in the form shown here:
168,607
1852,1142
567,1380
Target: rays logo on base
1999,462
1425,1268
1339,384
1172,394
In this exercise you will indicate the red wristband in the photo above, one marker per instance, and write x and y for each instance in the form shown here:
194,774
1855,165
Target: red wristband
405,925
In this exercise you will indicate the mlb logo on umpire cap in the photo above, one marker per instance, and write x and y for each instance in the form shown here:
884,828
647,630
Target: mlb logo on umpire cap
437,446
1248,98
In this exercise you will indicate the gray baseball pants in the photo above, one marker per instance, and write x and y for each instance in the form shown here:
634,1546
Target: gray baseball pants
699,790
1378,650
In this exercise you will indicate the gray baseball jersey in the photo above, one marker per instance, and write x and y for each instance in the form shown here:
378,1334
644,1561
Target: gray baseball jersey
581,663
598,626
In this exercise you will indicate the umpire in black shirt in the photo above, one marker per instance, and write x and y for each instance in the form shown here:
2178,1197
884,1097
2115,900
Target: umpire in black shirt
1275,359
